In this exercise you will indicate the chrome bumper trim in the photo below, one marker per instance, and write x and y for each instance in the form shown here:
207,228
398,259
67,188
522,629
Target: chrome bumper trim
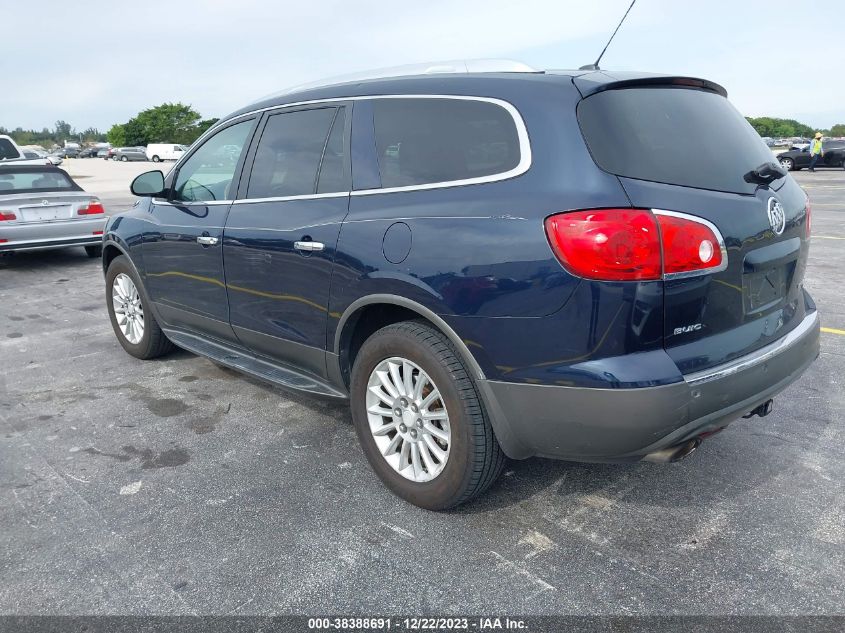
758,357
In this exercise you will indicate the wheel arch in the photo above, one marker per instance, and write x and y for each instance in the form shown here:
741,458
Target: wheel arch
110,251
384,309
394,309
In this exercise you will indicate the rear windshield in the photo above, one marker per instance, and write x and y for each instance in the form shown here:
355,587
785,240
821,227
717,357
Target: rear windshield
21,182
678,136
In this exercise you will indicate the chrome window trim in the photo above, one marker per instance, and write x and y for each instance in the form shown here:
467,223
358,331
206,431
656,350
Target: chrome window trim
311,196
192,203
719,238
525,157
758,357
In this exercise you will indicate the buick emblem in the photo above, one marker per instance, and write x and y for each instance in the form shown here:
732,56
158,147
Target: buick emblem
45,203
777,218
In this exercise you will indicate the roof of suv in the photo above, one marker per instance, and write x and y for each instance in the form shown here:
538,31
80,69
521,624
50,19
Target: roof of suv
420,80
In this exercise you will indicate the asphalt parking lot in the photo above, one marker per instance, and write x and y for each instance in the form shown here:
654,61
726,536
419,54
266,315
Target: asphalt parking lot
175,486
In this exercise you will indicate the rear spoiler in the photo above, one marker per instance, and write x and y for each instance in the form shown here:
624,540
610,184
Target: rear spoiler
599,81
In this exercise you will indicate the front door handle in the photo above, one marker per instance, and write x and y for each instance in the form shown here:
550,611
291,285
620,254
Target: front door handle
309,247
207,240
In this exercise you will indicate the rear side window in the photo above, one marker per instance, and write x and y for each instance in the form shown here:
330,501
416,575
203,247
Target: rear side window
672,135
7,150
426,141
288,155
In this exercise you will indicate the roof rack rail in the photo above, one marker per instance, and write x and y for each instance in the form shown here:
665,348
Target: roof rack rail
455,66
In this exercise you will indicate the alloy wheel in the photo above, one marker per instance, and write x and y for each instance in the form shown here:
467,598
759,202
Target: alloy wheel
408,419
128,310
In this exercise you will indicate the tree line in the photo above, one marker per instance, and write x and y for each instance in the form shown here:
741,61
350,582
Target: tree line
167,123
61,132
786,128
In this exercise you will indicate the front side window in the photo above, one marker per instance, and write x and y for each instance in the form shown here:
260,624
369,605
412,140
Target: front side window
288,155
208,173
425,141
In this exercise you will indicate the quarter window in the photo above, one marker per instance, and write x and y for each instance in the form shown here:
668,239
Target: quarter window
289,153
424,141
207,174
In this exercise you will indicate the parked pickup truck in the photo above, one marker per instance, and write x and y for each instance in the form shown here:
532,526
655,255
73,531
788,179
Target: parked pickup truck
11,153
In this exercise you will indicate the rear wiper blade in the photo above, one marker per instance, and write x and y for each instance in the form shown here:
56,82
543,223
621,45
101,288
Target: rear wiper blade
765,174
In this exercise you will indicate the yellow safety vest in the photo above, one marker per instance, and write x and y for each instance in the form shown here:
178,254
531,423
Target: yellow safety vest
816,147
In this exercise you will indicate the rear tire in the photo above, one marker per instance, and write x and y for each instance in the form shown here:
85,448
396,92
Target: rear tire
94,251
152,342
473,458
156,159
124,159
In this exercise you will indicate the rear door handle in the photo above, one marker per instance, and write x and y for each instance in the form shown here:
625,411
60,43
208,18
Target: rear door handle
309,247
207,240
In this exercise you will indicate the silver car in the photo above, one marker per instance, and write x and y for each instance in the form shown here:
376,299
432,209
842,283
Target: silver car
42,207
129,153
30,154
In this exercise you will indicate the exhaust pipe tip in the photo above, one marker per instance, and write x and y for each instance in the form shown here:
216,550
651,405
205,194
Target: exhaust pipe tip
762,410
674,453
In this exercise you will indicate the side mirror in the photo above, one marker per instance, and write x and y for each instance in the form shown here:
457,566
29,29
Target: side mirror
150,183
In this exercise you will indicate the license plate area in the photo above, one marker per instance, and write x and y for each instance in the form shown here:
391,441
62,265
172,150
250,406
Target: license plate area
764,289
46,213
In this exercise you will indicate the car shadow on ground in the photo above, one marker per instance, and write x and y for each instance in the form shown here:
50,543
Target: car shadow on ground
33,261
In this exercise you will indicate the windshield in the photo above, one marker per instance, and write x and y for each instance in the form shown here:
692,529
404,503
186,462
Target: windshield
29,181
677,136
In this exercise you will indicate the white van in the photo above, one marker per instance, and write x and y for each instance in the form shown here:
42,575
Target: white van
165,151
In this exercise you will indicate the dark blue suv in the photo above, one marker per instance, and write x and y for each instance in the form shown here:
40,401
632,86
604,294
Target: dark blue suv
581,265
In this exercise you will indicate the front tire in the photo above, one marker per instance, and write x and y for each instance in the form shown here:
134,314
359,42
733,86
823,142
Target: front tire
132,321
788,164
156,159
124,159
419,418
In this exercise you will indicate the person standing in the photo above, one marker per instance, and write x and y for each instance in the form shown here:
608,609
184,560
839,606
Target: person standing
816,151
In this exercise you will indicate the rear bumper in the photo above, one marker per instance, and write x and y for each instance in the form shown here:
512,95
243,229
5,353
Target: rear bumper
590,424
52,234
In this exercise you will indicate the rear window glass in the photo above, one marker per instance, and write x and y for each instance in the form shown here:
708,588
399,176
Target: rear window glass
424,141
672,135
14,182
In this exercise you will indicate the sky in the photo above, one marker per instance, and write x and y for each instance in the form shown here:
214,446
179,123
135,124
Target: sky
99,62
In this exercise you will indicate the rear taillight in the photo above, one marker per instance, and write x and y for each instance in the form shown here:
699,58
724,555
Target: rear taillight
93,208
690,245
607,244
7,215
635,244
